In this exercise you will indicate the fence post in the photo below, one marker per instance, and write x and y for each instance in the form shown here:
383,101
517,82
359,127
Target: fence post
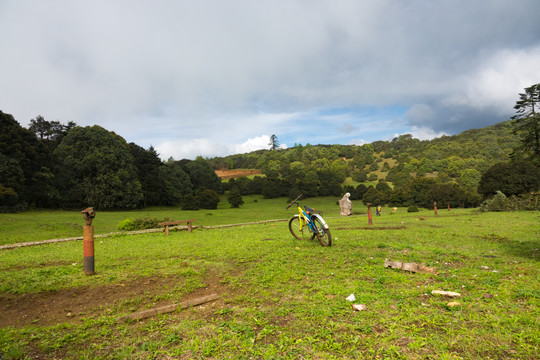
88,241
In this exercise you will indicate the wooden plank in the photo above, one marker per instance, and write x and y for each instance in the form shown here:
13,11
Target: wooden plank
176,222
169,308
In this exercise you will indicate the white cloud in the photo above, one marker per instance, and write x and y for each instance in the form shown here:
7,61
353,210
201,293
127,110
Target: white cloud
190,149
215,73
502,77
424,133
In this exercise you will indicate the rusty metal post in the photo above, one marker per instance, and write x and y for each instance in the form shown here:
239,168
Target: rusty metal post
448,206
369,216
435,207
88,241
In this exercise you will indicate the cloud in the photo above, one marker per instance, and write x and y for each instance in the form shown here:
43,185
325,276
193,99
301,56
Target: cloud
218,72
423,133
190,149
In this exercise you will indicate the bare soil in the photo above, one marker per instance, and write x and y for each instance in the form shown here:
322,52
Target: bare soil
71,306
231,174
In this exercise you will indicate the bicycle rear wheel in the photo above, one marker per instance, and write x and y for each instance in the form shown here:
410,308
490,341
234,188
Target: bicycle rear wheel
323,234
300,229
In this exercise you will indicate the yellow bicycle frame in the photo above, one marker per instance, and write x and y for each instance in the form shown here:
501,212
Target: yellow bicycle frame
305,220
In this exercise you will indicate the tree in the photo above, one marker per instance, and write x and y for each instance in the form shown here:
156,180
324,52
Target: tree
50,132
176,185
274,142
202,175
207,198
40,126
23,152
235,199
373,196
148,172
98,169
527,122
512,178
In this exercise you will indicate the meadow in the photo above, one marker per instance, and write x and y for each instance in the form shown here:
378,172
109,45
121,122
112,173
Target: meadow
279,298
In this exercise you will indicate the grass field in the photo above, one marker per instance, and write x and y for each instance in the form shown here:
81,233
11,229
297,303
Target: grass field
279,298
47,224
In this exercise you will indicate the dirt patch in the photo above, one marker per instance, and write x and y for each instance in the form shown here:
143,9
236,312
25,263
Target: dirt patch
53,307
231,174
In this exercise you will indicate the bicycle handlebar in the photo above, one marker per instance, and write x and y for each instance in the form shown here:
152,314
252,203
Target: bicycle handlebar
294,201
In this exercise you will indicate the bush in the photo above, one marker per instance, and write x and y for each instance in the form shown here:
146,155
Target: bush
190,203
140,223
207,199
235,199
511,178
412,209
499,202
359,176
126,224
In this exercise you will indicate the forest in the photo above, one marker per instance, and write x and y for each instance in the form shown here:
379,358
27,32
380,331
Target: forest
55,165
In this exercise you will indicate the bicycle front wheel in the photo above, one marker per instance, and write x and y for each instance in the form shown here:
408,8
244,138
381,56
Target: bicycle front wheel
299,228
323,234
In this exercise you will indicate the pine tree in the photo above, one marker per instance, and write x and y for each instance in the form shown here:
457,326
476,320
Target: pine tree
527,122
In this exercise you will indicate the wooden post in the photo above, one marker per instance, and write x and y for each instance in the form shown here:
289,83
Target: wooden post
369,216
435,207
88,249
88,241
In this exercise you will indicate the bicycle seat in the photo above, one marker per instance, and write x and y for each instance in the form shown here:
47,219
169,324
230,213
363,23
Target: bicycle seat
308,209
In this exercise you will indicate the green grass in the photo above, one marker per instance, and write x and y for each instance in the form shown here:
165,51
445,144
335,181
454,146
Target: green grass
285,298
50,224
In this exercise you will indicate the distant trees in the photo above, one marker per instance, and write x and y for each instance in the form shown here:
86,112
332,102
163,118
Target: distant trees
511,178
25,166
52,165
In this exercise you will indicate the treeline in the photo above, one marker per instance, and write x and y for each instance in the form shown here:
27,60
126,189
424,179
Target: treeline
55,165
460,171
52,165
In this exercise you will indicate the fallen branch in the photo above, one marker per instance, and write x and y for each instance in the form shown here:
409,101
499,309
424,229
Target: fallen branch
168,308
446,293
412,267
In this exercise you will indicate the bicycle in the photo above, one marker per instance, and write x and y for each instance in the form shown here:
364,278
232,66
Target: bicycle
307,224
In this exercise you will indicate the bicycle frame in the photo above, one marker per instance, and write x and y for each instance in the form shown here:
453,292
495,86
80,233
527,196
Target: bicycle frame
302,214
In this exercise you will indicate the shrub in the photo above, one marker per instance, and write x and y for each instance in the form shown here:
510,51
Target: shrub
412,209
235,199
499,202
140,223
190,203
207,199
126,224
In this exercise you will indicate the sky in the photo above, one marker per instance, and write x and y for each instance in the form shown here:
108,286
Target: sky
219,77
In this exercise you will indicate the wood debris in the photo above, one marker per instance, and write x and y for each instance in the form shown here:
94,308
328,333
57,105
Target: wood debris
412,267
168,308
446,293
